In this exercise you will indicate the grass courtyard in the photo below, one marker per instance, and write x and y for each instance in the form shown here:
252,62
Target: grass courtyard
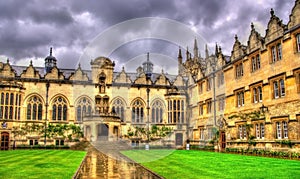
39,163
202,164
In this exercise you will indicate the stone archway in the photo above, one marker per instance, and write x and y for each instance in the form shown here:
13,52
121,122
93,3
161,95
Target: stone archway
103,131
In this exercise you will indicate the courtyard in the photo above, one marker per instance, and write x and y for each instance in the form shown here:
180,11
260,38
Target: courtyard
39,163
203,164
164,163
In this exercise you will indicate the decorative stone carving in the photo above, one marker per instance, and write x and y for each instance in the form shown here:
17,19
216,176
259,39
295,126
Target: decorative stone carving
30,72
275,28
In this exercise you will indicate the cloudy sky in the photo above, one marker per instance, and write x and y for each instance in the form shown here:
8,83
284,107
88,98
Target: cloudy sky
29,28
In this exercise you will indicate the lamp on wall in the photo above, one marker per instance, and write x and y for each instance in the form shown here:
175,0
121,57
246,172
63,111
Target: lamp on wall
264,108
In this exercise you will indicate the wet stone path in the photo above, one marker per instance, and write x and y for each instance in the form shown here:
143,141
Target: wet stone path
104,160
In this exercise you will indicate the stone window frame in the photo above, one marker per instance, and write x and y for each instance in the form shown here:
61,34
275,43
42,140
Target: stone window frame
240,98
221,102
209,83
83,107
200,87
276,51
260,130
210,132
137,111
10,105
118,106
257,93
297,36
278,87
255,62
297,79
281,129
33,142
220,78
34,108
176,110
202,133
239,70
201,108
59,109
157,111
241,131
208,106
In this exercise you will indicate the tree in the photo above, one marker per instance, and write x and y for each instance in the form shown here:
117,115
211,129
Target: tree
155,132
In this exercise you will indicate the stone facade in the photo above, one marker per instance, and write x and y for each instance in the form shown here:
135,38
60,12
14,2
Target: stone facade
106,104
260,78
251,94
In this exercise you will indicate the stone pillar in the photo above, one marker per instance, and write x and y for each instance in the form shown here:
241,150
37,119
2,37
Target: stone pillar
94,132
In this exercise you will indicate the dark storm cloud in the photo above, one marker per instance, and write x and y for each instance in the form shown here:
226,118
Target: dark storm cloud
29,28
59,16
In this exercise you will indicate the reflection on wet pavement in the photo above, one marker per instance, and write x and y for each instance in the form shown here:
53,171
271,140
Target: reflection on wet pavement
99,165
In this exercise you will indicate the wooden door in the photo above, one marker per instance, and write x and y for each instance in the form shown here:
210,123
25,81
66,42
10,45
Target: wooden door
4,141
223,140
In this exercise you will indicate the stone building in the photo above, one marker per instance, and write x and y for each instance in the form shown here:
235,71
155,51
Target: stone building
253,94
106,104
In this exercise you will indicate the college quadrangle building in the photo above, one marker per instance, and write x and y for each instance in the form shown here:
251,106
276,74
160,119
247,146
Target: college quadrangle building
253,94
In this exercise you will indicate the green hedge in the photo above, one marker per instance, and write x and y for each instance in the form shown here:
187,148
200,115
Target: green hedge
23,146
198,147
266,153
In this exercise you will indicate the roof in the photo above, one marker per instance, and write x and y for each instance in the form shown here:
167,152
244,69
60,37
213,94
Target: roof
67,73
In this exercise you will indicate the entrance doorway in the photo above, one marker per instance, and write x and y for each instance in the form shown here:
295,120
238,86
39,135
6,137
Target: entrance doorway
4,140
223,140
178,139
102,132
116,131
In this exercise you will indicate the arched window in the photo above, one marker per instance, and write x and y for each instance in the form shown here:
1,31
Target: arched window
157,112
59,109
118,107
34,108
83,108
137,112
8,108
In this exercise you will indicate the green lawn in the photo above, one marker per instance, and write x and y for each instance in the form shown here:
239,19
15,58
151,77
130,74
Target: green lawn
202,164
39,163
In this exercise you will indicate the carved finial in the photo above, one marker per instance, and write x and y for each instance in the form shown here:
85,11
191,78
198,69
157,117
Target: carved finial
7,61
50,51
162,71
79,66
195,43
220,49
30,62
187,52
216,50
272,12
252,26
148,57
123,68
179,53
236,37
206,51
